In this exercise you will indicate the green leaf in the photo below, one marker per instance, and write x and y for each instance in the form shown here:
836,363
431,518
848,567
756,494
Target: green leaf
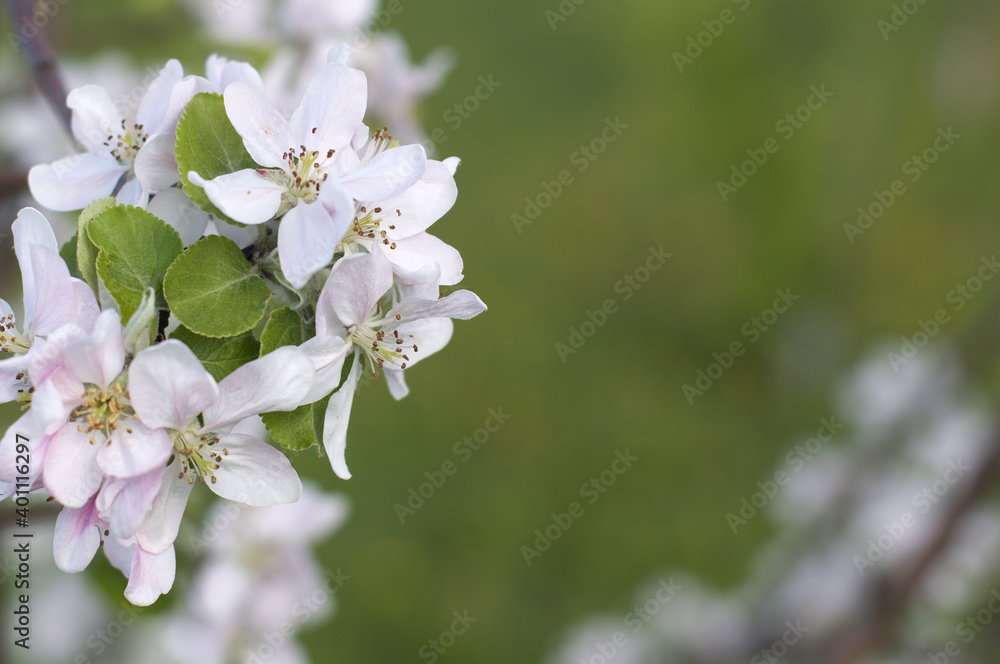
284,328
208,144
86,252
68,253
213,290
136,249
223,356
294,430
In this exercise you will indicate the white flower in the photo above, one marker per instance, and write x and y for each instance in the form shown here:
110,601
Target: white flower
302,154
113,144
170,387
348,317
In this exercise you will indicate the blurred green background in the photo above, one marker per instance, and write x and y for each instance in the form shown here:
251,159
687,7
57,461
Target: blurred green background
655,185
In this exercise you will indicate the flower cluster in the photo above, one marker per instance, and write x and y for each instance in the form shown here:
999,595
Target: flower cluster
230,262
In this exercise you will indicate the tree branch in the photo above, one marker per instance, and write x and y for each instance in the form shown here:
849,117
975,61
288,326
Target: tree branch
12,182
42,59
892,598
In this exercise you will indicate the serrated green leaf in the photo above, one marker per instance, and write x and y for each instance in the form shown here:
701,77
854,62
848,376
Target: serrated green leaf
220,357
293,430
136,248
207,143
68,253
284,328
214,291
86,252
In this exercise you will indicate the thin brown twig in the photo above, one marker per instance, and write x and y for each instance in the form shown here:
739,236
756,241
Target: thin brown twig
894,595
42,59
12,182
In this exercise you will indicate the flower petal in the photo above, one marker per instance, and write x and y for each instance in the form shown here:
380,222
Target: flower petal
174,207
169,386
155,103
70,467
338,415
354,287
31,228
327,354
425,202
461,304
127,502
95,117
266,134
279,381
158,532
307,238
254,473
333,106
59,299
156,165
131,454
77,537
23,431
73,182
99,357
151,575
388,174
414,253
246,196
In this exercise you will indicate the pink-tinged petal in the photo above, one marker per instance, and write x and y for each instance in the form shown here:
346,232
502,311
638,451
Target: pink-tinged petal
77,537
158,532
388,174
396,380
425,202
59,298
136,453
174,207
414,253
254,473
119,555
100,357
307,238
246,196
133,193
279,381
169,387
156,102
31,228
461,304
333,105
151,575
127,502
266,134
327,354
355,285
70,468
95,117
74,182
338,415
155,165
25,432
